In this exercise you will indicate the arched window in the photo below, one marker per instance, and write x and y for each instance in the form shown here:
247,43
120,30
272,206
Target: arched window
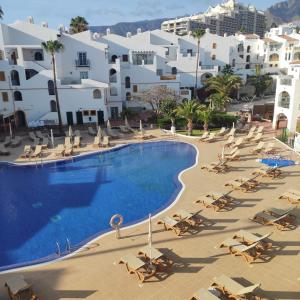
51,87
97,94
174,71
114,58
112,75
247,66
233,63
15,79
284,100
128,96
53,106
248,58
18,96
240,48
248,49
38,56
127,82
274,57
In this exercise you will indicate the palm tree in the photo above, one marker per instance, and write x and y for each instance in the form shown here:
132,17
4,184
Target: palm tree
197,34
205,115
78,24
223,86
189,110
53,47
260,82
1,13
168,109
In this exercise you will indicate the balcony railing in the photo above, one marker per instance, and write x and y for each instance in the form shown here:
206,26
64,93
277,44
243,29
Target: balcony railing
168,77
82,63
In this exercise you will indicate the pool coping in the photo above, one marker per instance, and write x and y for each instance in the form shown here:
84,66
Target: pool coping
173,203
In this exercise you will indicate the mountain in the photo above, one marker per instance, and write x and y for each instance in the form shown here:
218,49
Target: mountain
283,12
124,27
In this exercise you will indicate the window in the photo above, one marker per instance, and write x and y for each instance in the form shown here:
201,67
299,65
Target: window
97,94
248,58
112,75
233,63
38,56
114,58
214,45
4,96
53,107
113,91
127,82
125,57
190,51
159,72
92,113
51,87
1,55
86,113
2,76
248,49
14,76
174,71
18,96
84,75
128,96
213,57
135,88
82,58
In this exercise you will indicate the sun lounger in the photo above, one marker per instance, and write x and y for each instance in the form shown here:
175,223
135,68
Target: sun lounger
204,136
249,253
124,129
135,265
193,219
112,134
272,172
257,138
270,149
249,136
253,128
242,183
277,212
68,141
260,129
26,152
161,261
105,142
229,142
19,289
215,201
234,290
230,133
16,142
222,131
258,148
293,191
171,224
97,142
238,143
216,167
234,156
77,141
204,294
291,197
229,153
3,150
59,150
37,152
281,222
249,238
68,150
210,139
92,131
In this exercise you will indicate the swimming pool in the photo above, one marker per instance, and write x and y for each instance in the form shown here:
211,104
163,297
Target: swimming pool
74,200
278,162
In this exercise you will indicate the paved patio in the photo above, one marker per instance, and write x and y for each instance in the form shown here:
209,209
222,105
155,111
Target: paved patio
95,274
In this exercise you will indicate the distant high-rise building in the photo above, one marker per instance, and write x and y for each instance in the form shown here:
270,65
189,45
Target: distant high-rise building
226,18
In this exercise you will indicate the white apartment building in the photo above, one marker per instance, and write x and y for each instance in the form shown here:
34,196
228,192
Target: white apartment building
98,75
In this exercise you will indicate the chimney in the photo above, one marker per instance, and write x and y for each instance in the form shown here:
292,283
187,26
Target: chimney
139,30
30,20
128,34
45,24
108,31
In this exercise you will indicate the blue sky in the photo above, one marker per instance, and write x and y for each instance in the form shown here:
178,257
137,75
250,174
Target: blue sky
106,12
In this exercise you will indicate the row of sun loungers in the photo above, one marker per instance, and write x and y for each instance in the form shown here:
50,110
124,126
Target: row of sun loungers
215,200
244,184
293,196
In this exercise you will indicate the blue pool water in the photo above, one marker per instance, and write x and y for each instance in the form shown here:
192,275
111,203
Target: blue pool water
75,200
277,162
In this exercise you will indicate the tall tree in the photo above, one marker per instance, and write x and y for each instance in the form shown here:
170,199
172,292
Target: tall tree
197,34
227,70
78,24
1,13
223,86
260,82
168,109
53,47
189,110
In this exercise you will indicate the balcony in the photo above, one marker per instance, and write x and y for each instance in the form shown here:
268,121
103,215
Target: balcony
82,63
168,77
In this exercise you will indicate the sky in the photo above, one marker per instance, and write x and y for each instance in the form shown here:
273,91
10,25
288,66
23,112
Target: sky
106,12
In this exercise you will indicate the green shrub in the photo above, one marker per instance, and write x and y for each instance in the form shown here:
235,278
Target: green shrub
165,123
220,119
